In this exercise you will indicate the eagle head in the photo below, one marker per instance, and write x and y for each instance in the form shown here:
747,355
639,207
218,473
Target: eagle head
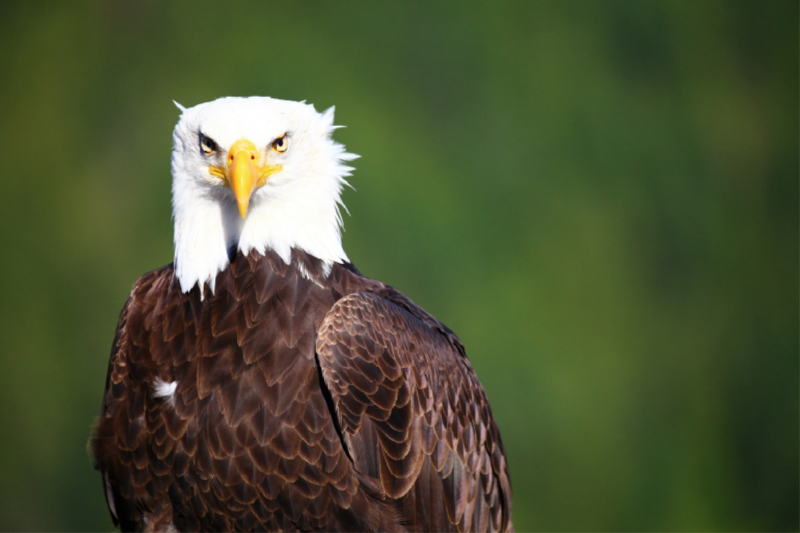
254,174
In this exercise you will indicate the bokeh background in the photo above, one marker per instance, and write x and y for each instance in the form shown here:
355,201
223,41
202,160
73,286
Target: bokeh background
600,198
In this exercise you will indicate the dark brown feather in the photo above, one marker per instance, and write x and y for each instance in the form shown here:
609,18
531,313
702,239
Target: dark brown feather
327,404
400,381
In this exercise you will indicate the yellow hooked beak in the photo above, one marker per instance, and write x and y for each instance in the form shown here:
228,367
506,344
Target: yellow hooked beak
244,173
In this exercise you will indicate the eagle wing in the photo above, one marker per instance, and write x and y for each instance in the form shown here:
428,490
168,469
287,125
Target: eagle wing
413,414
134,444
123,401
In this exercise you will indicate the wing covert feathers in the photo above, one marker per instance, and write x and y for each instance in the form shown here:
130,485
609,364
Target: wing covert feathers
377,423
414,415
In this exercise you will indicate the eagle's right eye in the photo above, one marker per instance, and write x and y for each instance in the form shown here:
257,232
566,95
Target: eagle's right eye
207,145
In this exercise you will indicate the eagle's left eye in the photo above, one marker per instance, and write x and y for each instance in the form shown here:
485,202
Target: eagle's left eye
207,145
280,144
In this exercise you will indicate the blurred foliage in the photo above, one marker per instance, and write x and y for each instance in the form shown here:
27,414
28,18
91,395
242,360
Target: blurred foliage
600,198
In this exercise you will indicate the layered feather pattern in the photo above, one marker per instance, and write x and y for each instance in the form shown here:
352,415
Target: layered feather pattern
304,399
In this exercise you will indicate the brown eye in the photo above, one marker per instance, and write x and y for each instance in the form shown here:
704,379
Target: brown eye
280,144
207,145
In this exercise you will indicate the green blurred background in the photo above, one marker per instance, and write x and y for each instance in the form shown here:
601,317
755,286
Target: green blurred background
601,199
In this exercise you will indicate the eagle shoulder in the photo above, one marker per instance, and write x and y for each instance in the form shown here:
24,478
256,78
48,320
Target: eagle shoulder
121,430
413,414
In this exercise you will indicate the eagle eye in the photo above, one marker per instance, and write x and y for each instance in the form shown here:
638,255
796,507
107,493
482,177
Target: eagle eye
281,143
207,145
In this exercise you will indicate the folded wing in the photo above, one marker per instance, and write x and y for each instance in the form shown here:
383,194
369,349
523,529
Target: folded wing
413,414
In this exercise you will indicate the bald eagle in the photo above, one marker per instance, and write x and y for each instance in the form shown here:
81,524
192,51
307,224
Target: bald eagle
260,382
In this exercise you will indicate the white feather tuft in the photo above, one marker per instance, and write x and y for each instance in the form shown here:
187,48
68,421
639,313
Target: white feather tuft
162,389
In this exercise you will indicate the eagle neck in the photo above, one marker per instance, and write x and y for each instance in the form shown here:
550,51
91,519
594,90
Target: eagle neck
209,231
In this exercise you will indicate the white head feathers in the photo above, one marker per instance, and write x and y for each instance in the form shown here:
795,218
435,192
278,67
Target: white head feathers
297,207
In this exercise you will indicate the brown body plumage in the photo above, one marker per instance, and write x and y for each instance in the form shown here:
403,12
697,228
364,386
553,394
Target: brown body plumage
304,400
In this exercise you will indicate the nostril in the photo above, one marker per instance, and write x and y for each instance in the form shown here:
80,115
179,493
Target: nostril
252,156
